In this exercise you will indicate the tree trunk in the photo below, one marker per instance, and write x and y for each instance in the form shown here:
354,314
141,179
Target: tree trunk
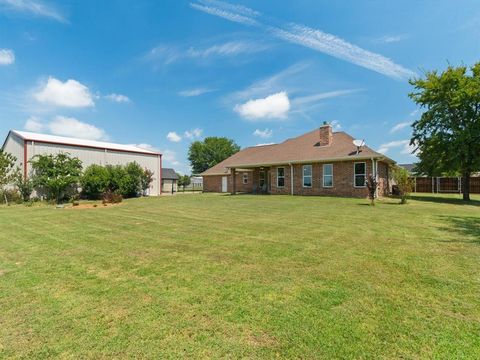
466,186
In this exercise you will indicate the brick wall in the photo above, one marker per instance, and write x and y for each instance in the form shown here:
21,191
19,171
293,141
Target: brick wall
343,180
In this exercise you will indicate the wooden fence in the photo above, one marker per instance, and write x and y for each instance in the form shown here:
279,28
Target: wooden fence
444,184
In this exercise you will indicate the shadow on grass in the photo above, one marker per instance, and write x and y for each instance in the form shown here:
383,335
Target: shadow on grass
467,228
444,200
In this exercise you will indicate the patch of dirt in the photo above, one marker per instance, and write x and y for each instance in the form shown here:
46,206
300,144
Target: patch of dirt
92,206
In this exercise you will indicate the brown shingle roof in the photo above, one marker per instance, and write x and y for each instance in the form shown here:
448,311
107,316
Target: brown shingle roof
302,149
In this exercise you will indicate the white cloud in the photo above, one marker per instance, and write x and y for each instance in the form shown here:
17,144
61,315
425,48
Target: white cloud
169,157
388,39
195,92
265,144
146,147
33,124
173,136
223,13
400,126
316,40
36,8
118,98
193,134
404,145
68,126
321,96
336,125
334,46
264,134
165,54
7,57
275,106
70,93
230,48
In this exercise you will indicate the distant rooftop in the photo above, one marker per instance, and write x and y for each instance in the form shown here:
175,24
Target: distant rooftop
61,140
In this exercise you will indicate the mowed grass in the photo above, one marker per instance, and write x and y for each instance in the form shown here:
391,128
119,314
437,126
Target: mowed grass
211,276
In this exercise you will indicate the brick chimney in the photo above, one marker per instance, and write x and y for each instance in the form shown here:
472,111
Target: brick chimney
325,134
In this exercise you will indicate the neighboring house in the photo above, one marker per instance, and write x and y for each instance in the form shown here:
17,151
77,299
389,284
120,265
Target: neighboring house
169,181
408,167
25,145
320,162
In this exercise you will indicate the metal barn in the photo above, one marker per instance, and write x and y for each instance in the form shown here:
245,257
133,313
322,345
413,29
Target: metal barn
25,145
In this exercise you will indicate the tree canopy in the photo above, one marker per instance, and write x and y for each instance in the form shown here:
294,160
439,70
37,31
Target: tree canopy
7,170
209,152
56,175
447,136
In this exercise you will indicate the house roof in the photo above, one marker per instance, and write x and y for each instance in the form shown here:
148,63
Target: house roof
302,149
408,167
169,174
61,140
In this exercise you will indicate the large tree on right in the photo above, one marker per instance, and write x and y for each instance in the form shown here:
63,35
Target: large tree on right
447,136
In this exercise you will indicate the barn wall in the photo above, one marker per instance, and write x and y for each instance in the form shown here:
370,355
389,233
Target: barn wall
14,146
90,156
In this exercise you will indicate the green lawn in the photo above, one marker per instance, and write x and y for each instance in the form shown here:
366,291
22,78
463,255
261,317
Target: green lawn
242,276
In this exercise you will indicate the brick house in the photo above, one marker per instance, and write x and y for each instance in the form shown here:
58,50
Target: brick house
320,162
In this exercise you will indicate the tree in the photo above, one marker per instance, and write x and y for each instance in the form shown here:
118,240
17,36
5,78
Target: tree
146,180
209,152
131,185
7,168
447,136
23,184
184,181
372,185
403,181
56,175
94,181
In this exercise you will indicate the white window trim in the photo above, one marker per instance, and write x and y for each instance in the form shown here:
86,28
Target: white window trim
310,176
323,176
245,178
283,177
355,174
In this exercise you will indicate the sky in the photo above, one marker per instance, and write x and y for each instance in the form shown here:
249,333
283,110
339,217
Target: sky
161,74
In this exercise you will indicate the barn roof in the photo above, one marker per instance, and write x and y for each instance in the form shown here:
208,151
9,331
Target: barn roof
61,140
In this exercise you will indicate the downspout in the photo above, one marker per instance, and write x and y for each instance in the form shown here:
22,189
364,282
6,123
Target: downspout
374,174
291,178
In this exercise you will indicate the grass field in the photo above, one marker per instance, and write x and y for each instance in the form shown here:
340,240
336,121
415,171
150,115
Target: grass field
242,276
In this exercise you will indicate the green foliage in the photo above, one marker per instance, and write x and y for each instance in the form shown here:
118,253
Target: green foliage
94,181
448,133
9,196
56,175
127,181
7,170
23,185
209,152
403,181
146,180
183,181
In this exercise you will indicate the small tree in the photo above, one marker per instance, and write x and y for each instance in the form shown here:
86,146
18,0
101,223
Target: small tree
146,180
56,175
7,170
184,181
209,152
24,185
372,185
403,181
94,181
131,185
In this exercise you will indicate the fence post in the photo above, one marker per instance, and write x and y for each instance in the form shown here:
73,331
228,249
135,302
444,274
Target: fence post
415,184
433,185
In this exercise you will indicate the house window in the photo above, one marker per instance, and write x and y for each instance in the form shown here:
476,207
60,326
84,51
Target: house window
261,181
327,175
280,177
360,171
307,176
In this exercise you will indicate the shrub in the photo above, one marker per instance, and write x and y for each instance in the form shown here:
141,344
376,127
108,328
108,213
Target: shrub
116,175
8,196
404,183
132,182
372,185
94,181
146,180
24,185
111,197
